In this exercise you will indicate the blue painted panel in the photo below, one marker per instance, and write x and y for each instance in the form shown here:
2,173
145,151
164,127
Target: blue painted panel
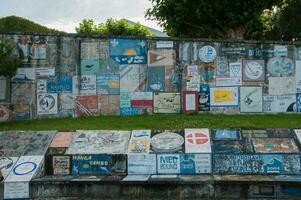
126,51
256,163
204,98
90,165
156,79
129,111
59,84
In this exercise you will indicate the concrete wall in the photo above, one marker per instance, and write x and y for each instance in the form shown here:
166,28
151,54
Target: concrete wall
132,76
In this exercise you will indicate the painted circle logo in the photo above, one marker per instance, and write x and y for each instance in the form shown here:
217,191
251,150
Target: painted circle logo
197,138
24,168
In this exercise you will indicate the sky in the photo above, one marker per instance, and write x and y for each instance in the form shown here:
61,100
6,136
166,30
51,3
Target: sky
65,15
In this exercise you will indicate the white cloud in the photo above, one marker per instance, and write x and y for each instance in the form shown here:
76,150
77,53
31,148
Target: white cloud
66,14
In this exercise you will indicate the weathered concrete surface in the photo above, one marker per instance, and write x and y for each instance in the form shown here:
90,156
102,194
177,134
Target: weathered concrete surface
182,188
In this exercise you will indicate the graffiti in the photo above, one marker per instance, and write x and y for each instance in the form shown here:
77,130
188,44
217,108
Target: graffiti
124,51
87,105
167,103
251,99
161,58
129,111
47,104
107,84
253,70
224,96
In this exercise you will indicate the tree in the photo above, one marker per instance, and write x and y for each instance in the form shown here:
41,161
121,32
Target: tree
211,18
8,63
285,22
112,27
19,24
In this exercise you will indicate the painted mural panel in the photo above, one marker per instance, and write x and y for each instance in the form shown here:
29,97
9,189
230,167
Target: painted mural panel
275,145
197,141
100,142
23,112
6,164
59,84
89,67
253,70
168,141
193,79
5,113
88,85
61,165
190,102
87,105
256,164
280,66
167,103
107,84
251,99
109,104
25,74
204,98
282,85
132,78
45,71
168,163
284,103
161,57
62,140
298,102
156,79
23,93
142,100
47,104
90,165
195,163
126,51
142,164
140,141
224,96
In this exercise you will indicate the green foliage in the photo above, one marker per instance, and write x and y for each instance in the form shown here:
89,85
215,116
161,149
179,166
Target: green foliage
8,63
211,19
285,22
157,122
19,24
112,28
